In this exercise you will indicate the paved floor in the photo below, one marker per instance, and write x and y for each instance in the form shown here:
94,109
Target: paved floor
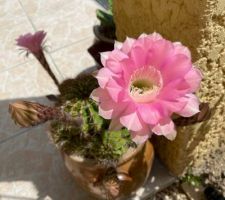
69,27
30,166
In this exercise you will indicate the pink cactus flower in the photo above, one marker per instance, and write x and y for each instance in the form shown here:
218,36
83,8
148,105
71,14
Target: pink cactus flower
32,43
144,82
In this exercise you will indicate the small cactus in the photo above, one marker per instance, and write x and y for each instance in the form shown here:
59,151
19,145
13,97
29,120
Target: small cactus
92,139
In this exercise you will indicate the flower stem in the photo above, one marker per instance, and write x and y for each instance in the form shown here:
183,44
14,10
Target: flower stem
43,61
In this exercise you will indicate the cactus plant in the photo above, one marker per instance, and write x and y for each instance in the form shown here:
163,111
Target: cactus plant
76,125
91,139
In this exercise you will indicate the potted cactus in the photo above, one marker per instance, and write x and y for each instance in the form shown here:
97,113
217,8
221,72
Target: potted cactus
102,123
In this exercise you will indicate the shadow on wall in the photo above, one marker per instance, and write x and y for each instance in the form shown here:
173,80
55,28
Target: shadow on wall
177,20
31,166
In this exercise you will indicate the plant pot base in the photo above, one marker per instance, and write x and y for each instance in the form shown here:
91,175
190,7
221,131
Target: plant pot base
113,182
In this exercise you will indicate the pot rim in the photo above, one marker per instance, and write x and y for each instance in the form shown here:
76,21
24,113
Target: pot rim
121,161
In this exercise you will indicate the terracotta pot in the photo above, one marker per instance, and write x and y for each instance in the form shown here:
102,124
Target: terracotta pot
113,182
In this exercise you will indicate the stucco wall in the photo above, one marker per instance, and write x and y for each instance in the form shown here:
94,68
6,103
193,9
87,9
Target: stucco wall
200,25
174,19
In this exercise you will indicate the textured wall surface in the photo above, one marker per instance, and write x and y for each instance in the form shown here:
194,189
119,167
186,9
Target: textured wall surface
200,25
174,19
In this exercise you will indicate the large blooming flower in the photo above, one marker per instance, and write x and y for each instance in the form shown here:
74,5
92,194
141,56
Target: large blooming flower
144,82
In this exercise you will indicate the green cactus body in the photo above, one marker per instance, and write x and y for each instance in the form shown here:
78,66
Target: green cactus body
91,139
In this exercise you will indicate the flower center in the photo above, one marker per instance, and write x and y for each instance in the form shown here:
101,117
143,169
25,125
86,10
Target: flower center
145,84
141,86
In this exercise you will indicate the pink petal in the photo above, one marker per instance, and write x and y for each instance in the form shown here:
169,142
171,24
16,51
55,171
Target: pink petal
113,62
39,37
103,76
32,42
127,45
193,78
106,109
107,114
104,56
100,94
114,66
160,51
128,67
143,42
165,127
147,41
118,45
138,55
131,122
143,35
173,105
174,89
175,68
119,110
180,49
114,89
94,95
156,36
191,108
139,137
150,113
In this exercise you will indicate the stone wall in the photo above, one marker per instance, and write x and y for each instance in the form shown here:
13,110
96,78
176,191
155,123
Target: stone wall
200,25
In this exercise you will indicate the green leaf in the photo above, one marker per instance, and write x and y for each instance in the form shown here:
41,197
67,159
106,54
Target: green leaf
110,2
105,18
192,180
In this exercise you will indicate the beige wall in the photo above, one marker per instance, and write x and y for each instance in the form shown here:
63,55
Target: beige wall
200,25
